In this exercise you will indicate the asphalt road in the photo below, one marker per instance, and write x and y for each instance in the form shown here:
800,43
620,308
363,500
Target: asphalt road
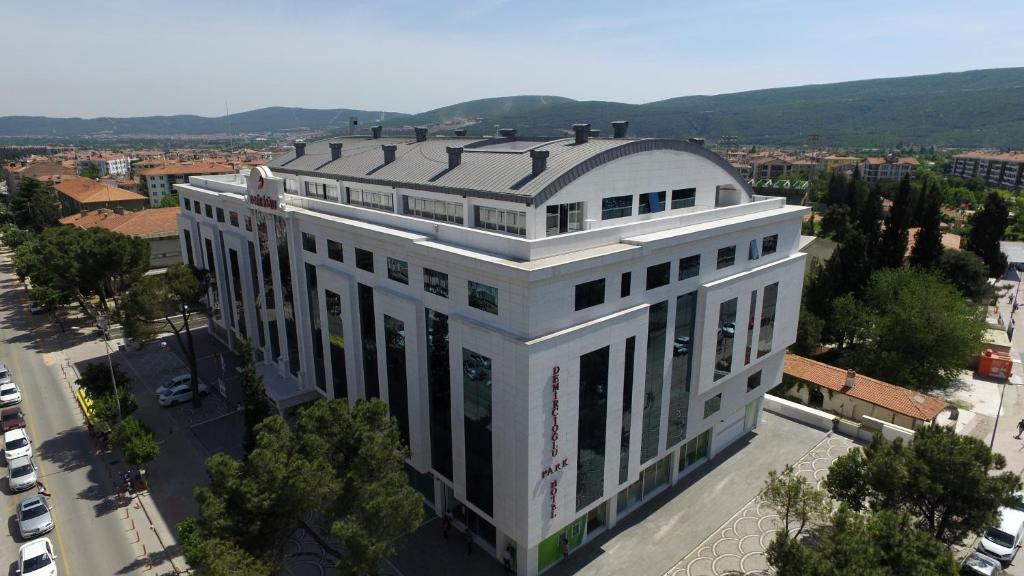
90,537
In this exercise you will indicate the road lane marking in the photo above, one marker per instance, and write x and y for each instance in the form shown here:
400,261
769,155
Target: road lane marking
29,423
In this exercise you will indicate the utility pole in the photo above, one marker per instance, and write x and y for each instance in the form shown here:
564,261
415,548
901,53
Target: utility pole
104,323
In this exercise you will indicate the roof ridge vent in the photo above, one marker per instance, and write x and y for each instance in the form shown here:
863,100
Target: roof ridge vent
300,147
335,150
460,131
421,133
582,132
375,131
540,160
454,156
508,133
389,152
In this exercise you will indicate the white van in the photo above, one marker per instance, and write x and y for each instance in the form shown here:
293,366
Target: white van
1002,541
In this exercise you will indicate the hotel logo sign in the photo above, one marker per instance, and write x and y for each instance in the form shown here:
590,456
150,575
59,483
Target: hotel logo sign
556,464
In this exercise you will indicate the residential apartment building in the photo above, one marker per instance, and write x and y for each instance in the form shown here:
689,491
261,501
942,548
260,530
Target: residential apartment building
891,167
44,171
159,181
77,194
999,169
107,164
562,328
158,226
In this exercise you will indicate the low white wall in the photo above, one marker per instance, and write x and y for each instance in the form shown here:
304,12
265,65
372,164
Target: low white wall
798,412
889,431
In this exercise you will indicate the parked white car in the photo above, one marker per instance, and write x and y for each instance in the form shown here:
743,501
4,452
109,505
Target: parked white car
1004,539
21,474
37,558
180,393
178,380
17,444
9,394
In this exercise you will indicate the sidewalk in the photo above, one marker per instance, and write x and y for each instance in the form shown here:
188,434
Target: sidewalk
1013,397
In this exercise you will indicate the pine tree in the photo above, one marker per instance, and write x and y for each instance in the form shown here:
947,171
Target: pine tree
836,189
895,236
927,252
987,228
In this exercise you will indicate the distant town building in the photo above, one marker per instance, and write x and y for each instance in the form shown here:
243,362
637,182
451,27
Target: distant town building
106,164
890,167
43,171
77,194
157,225
999,169
159,181
839,163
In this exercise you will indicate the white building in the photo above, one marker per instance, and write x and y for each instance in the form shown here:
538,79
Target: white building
107,164
562,327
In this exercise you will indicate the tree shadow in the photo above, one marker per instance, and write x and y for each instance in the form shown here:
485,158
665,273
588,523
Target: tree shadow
152,560
65,449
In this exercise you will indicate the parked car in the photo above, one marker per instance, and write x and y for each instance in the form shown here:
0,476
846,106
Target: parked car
21,474
9,394
978,564
180,379
37,558
34,518
11,418
16,444
5,374
1002,541
180,393
37,308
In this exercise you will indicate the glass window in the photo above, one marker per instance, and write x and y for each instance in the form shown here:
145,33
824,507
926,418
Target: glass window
439,210
364,260
291,186
769,244
658,275
764,337
483,297
233,218
439,393
625,284
651,202
394,358
750,326
188,248
188,204
616,207
248,223
368,334
209,211
267,273
499,220
476,393
627,407
684,198
214,290
220,214
753,381
712,405
689,267
435,282
564,218
198,207
236,291
726,336
309,242
682,362
384,201
316,330
336,334
589,294
755,253
335,251
656,324
593,426
287,298
726,257
398,270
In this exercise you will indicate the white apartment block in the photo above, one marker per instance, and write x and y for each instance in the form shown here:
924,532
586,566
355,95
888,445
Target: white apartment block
158,182
891,167
108,165
562,327
999,169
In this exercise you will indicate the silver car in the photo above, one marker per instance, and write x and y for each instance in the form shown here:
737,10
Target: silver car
21,474
34,517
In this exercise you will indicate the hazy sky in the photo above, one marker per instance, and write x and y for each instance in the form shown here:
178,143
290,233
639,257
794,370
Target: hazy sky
132,58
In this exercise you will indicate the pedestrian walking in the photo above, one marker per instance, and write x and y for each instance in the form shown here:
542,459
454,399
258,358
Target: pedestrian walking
42,490
444,526
565,547
1020,428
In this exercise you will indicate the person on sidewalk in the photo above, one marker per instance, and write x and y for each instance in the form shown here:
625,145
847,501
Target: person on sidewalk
444,526
1020,428
42,490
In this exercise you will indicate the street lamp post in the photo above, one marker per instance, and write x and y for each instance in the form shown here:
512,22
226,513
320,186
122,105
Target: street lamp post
104,324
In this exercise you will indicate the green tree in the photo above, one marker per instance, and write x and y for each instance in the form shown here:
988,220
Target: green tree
945,480
109,408
135,441
168,302
13,237
95,378
788,556
373,507
109,262
847,271
835,224
851,321
836,193
927,251
216,557
169,201
34,205
968,273
923,332
808,333
987,228
91,171
255,405
895,236
795,500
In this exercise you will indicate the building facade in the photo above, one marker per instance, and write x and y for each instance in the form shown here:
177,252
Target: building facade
158,226
999,169
891,167
78,194
562,328
107,164
159,181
